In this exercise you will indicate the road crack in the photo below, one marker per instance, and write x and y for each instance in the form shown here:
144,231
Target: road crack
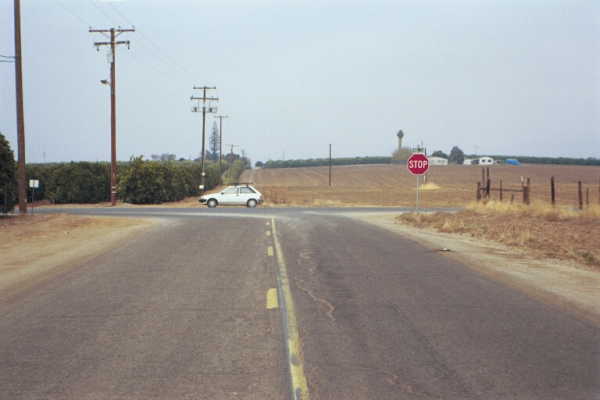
330,308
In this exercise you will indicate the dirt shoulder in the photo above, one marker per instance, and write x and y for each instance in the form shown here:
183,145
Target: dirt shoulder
36,247
567,284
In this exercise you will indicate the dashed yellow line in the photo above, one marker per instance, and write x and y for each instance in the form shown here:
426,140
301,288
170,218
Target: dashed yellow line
270,251
268,233
272,301
290,323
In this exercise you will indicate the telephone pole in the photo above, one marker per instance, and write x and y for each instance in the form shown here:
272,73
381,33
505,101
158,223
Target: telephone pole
204,109
221,141
329,165
21,178
114,32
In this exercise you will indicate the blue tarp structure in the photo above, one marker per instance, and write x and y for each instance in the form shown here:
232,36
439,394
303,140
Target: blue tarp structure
512,161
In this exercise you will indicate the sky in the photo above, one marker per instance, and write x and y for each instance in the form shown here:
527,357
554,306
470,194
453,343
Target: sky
515,77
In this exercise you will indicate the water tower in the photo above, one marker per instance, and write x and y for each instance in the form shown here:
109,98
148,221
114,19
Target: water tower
400,135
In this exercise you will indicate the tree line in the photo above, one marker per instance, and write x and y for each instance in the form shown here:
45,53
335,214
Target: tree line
139,181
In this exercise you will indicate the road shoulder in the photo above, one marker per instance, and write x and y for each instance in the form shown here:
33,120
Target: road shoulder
43,246
560,283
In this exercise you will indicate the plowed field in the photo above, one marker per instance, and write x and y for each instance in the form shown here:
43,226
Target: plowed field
393,185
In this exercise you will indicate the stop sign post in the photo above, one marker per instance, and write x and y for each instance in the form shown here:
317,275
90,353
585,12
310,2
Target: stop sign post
417,164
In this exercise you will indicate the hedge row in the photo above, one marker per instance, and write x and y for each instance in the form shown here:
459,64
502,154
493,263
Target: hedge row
139,182
151,182
316,162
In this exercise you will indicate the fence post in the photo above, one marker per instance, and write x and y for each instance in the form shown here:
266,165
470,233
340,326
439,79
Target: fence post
587,197
501,190
525,187
482,175
580,195
552,191
478,195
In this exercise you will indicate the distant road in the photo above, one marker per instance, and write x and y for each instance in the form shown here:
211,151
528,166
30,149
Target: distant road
285,303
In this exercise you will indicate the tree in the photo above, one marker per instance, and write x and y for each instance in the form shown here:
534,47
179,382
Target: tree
456,156
214,143
8,176
439,153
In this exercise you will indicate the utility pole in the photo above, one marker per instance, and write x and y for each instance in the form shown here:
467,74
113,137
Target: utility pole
204,110
221,141
113,100
21,178
330,165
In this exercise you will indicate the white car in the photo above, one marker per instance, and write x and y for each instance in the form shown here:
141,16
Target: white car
237,195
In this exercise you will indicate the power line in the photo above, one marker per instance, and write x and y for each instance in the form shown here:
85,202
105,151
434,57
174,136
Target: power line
104,13
72,13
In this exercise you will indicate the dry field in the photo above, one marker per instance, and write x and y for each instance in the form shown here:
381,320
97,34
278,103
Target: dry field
539,229
392,185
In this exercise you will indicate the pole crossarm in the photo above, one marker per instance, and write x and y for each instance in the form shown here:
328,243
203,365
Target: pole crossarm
112,43
204,98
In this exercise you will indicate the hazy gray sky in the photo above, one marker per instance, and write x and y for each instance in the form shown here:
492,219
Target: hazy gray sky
496,76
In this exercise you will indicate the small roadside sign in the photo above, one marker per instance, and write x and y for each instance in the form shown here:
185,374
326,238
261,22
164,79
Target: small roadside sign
34,184
417,164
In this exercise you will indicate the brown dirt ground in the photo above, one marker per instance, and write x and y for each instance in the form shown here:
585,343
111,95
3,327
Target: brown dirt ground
568,238
393,185
35,247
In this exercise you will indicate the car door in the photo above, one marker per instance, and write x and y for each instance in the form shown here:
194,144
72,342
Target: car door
246,194
229,196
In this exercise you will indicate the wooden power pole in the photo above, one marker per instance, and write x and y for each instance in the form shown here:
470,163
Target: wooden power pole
114,32
221,141
21,175
204,109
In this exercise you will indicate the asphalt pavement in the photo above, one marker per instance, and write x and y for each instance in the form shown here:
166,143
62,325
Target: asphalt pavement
280,304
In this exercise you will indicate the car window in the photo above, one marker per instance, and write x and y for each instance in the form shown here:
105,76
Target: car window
229,190
246,190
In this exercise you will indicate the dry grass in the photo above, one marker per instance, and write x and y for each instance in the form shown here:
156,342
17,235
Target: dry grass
542,230
392,185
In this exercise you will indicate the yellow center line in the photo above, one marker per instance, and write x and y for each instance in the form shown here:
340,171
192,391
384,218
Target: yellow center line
272,301
268,233
270,251
294,346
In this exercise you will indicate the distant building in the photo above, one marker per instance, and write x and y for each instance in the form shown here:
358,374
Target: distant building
486,161
470,161
512,161
438,161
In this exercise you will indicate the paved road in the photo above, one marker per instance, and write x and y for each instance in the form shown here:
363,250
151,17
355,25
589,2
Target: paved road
181,313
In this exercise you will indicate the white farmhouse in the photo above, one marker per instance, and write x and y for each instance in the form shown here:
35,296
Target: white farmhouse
486,161
468,161
438,161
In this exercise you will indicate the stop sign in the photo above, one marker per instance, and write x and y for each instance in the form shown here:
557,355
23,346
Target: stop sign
417,163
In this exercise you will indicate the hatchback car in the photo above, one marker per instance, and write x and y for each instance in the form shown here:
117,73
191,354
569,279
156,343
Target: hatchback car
237,195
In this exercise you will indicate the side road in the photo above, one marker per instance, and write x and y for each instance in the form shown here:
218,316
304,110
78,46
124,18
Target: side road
560,283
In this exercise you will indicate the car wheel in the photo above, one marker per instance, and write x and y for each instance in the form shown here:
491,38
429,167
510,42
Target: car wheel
212,203
251,203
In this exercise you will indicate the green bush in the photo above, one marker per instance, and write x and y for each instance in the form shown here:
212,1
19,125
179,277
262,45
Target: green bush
74,182
155,182
8,177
